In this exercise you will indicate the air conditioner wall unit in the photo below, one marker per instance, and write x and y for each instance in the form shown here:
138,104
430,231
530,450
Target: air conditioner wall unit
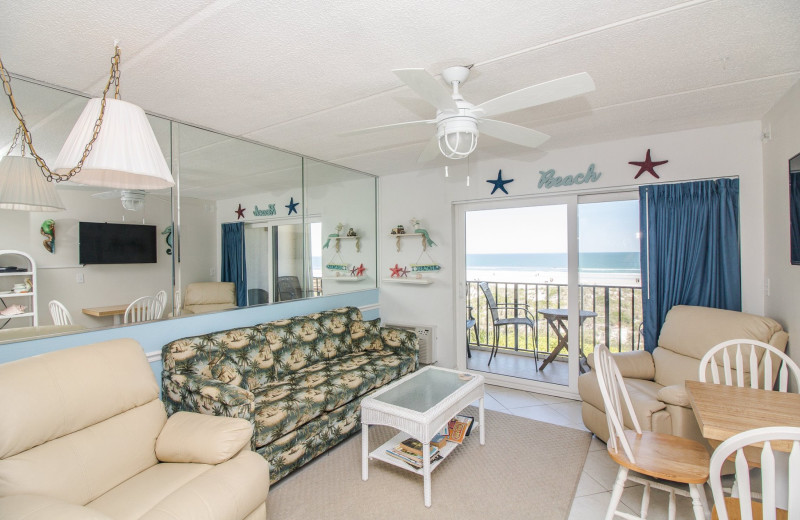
426,335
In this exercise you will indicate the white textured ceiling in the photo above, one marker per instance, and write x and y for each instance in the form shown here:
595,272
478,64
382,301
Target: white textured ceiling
297,74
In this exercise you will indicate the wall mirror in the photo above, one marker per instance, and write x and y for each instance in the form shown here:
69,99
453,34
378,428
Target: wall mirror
215,175
794,208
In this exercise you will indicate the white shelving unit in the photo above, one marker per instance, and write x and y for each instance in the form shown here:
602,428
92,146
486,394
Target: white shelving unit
10,257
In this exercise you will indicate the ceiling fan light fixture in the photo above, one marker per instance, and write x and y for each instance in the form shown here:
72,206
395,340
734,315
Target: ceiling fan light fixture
458,137
133,200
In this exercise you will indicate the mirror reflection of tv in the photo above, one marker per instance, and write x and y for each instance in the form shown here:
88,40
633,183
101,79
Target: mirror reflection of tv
794,208
101,243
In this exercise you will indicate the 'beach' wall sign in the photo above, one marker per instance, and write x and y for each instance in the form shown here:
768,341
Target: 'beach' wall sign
270,211
549,179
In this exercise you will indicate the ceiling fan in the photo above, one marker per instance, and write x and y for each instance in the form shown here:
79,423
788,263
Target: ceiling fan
458,122
132,200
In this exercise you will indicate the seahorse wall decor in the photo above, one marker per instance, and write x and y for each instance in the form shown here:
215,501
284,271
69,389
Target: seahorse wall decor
168,231
49,231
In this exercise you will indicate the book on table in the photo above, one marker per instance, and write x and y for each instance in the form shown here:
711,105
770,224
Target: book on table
410,451
459,427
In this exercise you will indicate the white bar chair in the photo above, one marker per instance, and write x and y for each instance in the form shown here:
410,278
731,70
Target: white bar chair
673,460
734,370
59,313
161,296
743,507
145,308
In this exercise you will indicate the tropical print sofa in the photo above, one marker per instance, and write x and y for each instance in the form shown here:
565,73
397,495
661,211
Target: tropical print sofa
299,381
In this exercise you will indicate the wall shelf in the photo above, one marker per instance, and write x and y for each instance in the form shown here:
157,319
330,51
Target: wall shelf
357,238
344,278
415,281
398,236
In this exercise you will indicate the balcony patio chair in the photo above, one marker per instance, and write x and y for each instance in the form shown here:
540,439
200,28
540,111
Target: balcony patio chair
472,323
670,459
257,296
60,314
146,308
528,320
289,288
772,473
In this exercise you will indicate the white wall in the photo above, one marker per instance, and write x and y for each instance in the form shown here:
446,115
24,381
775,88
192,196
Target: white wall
782,303
731,150
102,285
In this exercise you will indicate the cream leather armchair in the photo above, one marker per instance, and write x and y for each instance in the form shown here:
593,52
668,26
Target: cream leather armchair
656,382
203,297
84,435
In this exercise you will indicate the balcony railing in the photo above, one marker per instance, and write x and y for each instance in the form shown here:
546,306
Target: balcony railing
618,308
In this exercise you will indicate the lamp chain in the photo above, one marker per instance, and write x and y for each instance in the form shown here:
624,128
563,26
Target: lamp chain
48,174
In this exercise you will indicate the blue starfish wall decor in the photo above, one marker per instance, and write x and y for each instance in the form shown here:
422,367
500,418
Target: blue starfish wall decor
292,206
499,183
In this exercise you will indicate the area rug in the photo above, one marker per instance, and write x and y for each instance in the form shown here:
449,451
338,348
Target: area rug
526,470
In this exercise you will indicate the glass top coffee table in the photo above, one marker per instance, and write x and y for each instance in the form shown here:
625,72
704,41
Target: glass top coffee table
419,405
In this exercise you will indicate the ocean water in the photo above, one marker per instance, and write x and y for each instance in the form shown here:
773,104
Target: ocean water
593,268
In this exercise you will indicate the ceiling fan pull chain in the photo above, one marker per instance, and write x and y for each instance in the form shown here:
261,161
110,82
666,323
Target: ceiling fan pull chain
23,127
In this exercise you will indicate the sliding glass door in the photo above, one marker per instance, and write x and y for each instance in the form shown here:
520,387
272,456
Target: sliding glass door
544,281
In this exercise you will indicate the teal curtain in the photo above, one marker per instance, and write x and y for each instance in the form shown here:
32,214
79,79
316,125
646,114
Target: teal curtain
234,268
689,249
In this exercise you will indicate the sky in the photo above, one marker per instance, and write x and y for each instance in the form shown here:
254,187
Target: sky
602,227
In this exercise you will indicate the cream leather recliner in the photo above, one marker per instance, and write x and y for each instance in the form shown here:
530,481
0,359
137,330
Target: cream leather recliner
203,297
656,382
84,435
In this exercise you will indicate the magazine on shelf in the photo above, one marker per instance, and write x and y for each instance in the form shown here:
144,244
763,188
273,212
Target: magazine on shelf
466,419
414,460
459,427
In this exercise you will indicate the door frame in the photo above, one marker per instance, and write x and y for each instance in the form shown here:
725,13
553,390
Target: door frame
460,209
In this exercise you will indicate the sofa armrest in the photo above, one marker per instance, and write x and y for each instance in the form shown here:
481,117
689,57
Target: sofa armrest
636,365
401,340
194,393
674,395
203,439
40,507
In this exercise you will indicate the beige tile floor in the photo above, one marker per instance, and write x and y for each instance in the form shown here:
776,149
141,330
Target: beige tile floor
599,471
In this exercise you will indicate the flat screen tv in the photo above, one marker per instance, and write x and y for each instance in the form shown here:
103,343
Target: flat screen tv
100,243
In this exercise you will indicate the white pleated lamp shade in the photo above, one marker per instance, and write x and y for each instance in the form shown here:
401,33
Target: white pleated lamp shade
125,155
23,186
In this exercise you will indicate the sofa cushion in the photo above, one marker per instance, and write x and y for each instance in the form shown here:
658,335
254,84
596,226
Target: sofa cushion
38,507
366,335
692,331
227,491
205,439
210,293
643,394
41,401
83,465
283,408
336,326
675,395
673,368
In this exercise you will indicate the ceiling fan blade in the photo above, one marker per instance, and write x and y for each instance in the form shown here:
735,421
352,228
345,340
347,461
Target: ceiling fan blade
540,94
428,88
388,127
512,133
430,152
114,194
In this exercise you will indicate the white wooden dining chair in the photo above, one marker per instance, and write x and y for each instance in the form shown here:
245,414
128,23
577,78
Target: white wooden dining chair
673,460
744,507
161,296
746,357
59,313
145,308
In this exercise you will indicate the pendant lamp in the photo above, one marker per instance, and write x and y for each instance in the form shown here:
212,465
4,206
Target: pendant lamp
125,155
22,186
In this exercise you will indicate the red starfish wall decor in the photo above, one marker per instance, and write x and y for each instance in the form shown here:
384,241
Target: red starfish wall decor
648,165
360,270
240,212
396,271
